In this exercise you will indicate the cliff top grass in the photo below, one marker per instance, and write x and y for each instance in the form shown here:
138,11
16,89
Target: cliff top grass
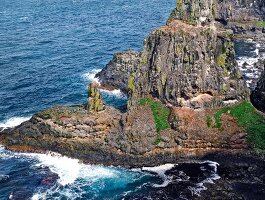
249,119
260,23
160,112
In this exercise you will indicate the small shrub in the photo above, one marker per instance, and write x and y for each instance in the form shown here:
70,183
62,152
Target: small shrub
158,140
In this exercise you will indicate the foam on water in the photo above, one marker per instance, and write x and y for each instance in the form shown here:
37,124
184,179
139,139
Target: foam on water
117,93
247,64
161,170
12,122
91,76
213,177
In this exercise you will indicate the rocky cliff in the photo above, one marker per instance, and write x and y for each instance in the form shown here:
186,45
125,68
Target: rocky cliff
240,15
187,65
258,95
181,64
204,11
186,98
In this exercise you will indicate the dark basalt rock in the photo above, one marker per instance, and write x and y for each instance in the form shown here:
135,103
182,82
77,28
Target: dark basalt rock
118,70
258,95
224,11
189,66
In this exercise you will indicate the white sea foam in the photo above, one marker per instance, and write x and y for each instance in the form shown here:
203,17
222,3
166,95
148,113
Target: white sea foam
247,65
69,169
161,170
117,93
213,177
91,75
12,122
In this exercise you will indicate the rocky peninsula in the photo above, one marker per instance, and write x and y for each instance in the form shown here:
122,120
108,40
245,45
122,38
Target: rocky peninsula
187,101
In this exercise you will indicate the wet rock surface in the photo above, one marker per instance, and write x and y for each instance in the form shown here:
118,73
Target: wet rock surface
258,95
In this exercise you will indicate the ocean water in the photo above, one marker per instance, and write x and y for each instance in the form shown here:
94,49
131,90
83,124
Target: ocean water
49,51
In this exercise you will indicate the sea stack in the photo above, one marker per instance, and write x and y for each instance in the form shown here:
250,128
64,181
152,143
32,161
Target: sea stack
94,102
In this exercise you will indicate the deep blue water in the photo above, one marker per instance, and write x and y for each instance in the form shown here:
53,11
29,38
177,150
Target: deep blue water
47,46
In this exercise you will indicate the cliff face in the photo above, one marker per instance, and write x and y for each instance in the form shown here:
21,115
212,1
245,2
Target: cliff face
224,11
190,66
258,95
181,64
118,70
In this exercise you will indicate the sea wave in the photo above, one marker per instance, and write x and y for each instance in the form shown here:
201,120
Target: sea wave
116,93
161,170
247,64
12,122
212,177
91,75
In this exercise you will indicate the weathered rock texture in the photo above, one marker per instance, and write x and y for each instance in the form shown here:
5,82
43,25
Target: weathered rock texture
183,65
239,15
189,66
204,11
258,95
94,103
118,70
128,139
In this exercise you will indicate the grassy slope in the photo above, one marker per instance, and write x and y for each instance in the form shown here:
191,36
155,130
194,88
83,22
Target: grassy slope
160,113
248,118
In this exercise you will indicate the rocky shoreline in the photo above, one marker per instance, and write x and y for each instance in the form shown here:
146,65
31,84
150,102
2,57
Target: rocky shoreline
187,102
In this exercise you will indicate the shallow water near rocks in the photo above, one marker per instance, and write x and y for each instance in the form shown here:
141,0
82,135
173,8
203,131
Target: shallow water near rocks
49,50
52,176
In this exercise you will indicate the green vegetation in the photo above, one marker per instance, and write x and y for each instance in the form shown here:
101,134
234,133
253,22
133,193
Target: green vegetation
131,83
158,140
260,23
209,121
249,119
160,112
89,91
221,60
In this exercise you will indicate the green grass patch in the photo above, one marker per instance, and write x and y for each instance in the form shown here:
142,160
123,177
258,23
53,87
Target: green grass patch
217,117
260,23
209,121
160,112
248,118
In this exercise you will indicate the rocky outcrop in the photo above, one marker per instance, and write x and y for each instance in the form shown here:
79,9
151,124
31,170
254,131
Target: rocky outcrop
242,16
118,70
199,12
128,139
181,64
190,66
258,95
94,103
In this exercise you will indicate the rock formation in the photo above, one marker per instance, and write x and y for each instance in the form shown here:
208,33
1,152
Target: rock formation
240,15
118,70
186,97
258,95
187,65
95,103
182,63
